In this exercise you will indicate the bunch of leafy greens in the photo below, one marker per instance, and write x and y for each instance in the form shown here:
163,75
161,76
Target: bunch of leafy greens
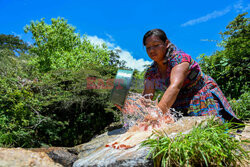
208,144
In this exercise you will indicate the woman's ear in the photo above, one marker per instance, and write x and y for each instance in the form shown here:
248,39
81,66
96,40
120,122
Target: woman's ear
167,42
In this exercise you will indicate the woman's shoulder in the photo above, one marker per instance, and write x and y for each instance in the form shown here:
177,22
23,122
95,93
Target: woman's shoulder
179,57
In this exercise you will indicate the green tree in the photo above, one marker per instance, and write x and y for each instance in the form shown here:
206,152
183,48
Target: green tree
57,45
114,64
44,97
13,43
230,66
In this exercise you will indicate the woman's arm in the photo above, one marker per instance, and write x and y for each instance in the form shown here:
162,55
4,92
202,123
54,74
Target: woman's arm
178,74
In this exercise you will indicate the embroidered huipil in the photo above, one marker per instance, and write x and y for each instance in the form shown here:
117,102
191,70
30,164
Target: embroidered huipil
199,91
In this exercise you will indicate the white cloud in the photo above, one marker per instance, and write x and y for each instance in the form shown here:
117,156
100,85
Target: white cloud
99,41
207,17
208,40
131,61
124,54
110,37
239,6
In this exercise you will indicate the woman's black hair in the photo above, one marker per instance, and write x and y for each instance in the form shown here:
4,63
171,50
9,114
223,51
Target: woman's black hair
162,35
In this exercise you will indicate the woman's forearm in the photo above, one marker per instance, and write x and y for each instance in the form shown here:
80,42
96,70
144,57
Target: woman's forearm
177,77
168,98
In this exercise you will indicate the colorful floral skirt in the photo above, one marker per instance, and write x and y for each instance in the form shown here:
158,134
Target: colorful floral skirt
204,98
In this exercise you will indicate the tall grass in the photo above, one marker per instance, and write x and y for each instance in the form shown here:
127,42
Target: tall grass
208,144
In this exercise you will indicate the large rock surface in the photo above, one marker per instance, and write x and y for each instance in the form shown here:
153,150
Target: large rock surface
94,153
64,156
18,157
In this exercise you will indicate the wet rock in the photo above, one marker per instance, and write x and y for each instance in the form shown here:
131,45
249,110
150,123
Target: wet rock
245,135
109,157
114,125
64,156
16,157
99,142
95,154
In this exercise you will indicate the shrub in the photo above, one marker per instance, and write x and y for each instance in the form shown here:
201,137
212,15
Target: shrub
229,66
73,113
16,117
241,106
54,109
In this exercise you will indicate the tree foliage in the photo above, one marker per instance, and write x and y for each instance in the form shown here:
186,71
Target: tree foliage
13,43
43,94
57,45
231,65
54,109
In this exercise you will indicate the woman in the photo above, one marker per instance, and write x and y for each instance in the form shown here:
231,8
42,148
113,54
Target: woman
186,88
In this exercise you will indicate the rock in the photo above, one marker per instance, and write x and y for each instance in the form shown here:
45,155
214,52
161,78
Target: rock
133,157
114,125
64,156
245,135
16,157
95,154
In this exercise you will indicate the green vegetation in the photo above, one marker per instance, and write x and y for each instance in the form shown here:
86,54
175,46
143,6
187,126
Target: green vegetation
58,46
13,43
241,106
230,66
44,99
206,145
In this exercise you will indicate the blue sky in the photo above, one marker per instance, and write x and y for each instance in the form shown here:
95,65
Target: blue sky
192,26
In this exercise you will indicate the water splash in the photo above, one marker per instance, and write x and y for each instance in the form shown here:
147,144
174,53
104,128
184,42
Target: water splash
141,117
139,108
140,114
107,156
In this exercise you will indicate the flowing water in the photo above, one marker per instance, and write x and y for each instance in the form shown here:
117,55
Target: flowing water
141,115
139,111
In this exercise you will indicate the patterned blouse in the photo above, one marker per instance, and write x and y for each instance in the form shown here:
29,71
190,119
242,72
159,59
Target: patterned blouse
199,95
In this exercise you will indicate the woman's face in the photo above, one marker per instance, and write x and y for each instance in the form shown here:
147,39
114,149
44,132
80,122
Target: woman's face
156,48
